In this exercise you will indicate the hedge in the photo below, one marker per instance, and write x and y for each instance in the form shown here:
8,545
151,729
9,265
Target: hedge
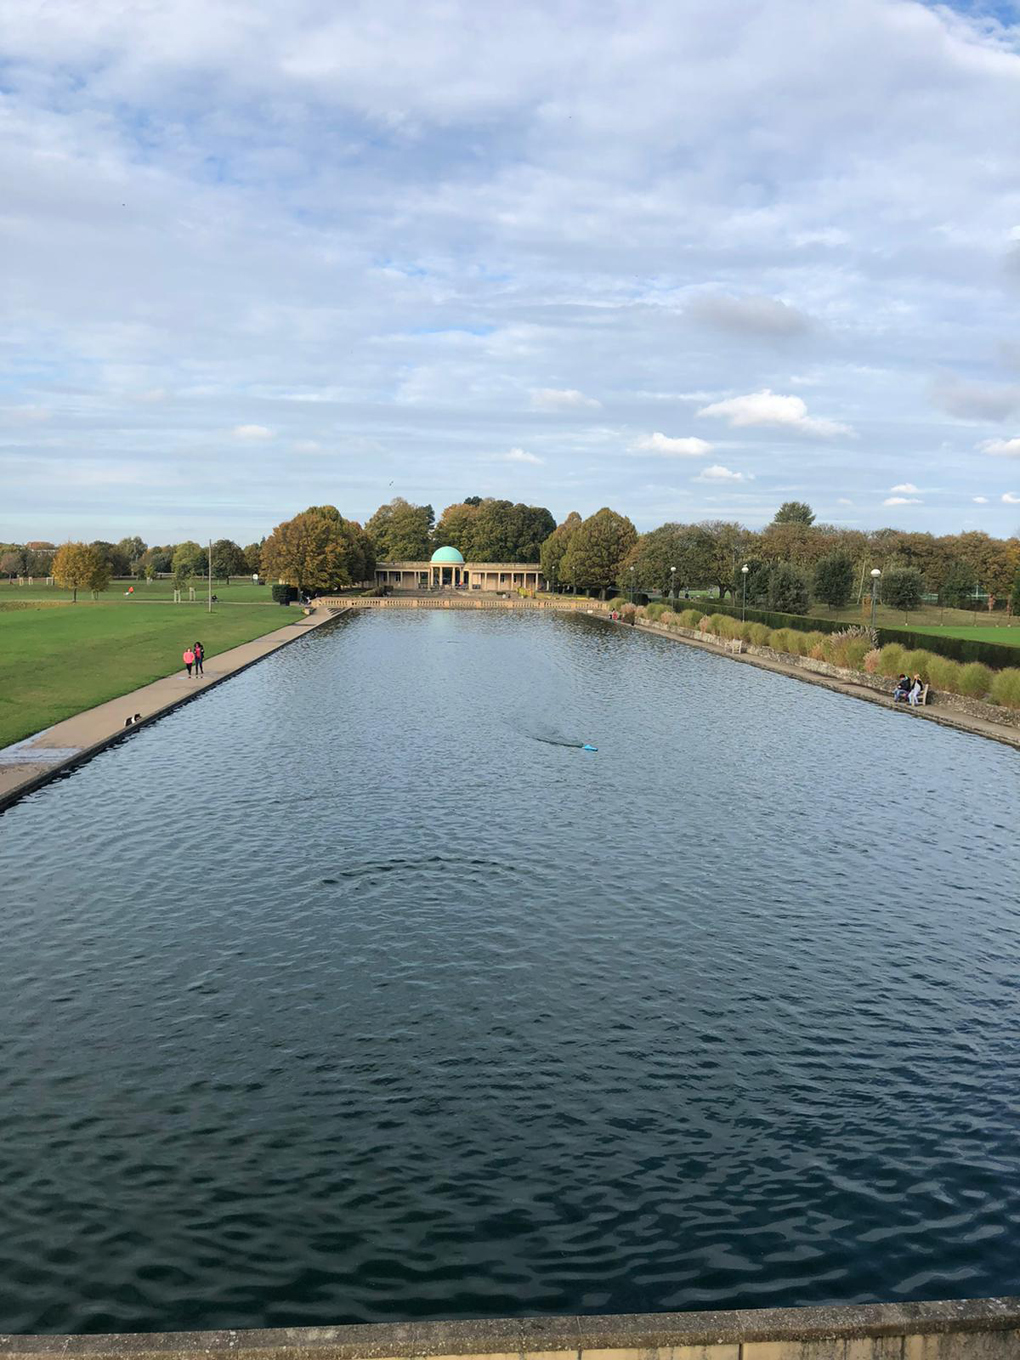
995,654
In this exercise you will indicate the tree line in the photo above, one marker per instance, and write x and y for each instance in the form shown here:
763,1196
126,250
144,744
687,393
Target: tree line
789,562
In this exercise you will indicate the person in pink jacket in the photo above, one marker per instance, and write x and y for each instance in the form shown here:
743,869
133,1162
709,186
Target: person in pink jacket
189,660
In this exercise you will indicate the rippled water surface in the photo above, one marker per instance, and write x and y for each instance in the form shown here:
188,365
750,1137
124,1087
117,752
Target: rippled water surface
348,994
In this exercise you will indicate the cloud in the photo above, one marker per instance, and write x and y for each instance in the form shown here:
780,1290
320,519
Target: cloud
252,432
907,487
1010,498
902,500
770,410
974,401
844,501
518,456
717,473
1001,448
756,316
682,447
561,399
980,500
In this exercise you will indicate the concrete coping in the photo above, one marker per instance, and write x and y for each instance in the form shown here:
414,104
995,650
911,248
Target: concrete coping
647,1333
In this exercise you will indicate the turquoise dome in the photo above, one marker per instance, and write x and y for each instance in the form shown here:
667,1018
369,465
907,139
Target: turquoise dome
447,555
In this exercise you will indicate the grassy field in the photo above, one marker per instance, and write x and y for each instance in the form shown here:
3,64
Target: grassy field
239,591
56,662
978,623
1003,637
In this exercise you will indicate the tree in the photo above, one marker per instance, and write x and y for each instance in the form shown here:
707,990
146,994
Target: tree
1014,596
794,512
133,549
597,550
189,560
958,588
227,559
756,591
455,529
158,559
402,532
902,588
833,582
720,544
115,557
81,566
12,563
253,557
551,552
319,550
788,592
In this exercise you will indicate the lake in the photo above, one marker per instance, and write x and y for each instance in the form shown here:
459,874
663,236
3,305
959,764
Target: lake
356,991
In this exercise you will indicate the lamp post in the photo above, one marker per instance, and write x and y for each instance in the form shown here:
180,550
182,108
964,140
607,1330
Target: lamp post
672,584
632,585
743,598
876,576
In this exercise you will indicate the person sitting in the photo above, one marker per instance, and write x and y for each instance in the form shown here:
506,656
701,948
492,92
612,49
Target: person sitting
915,691
902,690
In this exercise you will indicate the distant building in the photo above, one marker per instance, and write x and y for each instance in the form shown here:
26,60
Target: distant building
448,571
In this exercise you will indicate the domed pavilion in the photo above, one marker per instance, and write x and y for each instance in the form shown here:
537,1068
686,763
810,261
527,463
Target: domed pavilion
447,570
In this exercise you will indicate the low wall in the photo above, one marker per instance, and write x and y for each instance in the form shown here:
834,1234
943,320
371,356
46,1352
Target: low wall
971,1329
457,602
956,703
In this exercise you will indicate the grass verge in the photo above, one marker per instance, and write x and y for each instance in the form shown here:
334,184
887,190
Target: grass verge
58,662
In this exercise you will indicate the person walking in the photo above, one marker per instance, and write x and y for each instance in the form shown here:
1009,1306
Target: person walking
199,651
189,660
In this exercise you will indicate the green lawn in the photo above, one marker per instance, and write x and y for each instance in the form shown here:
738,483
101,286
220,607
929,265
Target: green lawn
987,627
1003,637
239,591
56,662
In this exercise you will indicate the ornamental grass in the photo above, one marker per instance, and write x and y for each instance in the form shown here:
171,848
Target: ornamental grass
975,680
1006,688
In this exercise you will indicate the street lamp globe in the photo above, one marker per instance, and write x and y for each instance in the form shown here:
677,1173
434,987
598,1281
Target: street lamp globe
875,573
744,569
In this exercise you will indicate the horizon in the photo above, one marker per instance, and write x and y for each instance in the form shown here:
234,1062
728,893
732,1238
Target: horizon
695,263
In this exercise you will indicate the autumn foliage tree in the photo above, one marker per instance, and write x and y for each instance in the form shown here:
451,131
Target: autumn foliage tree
319,550
81,566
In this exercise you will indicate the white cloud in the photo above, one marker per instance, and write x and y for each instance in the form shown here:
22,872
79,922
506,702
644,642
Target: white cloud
769,409
1001,448
980,500
717,473
682,447
517,456
901,500
843,501
908,488
760,316
252,432
561,399
1010,498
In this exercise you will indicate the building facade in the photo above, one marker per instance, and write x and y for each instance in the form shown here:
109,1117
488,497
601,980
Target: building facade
448,571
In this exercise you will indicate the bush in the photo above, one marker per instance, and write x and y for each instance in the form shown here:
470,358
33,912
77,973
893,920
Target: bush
944,674
690,618
780,640
617,603
975,680
1006,688
759,634
284,594
655,611
856,650
704,624
890,660
916,663
669,618
871,661
725,627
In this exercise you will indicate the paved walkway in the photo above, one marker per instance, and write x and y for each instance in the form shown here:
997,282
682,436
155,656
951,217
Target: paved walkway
32,762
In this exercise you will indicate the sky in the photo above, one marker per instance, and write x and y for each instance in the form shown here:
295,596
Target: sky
688,258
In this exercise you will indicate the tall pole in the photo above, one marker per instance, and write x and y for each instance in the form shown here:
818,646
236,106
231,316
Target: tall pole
874,593
209,565
743,597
